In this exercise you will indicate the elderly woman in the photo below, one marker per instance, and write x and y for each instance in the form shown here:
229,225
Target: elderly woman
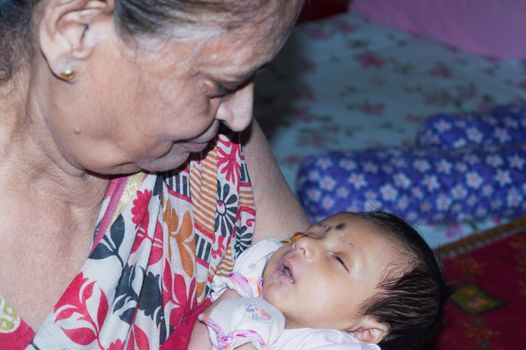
125,178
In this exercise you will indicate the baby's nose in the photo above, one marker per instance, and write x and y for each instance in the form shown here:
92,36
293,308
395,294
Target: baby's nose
308,247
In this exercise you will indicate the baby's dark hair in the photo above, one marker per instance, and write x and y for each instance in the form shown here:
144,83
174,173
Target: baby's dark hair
411,301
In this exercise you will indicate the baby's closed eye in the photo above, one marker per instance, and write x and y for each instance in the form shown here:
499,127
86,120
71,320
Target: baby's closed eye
342,262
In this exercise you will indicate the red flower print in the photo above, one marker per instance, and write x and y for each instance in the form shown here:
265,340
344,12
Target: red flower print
308,63
440,70
138,340
438,98
370,60
116,345
414,118
175,291
228,160
317,34
140,207
157,244
372,108
73,304
345,27
141,219
82,336
301,114
157,240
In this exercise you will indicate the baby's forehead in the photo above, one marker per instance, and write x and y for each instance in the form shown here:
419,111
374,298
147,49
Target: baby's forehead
339,217
354,225
344,221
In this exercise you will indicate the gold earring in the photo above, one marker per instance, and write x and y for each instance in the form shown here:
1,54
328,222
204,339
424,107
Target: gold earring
68,74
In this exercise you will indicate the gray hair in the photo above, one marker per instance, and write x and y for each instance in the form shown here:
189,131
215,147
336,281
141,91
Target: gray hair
134,19
156,17
15,35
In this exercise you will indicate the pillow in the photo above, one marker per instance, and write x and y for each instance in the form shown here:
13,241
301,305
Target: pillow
501,125
488,27
420,184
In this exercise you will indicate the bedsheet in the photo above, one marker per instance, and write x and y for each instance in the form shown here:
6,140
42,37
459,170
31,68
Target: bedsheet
348,83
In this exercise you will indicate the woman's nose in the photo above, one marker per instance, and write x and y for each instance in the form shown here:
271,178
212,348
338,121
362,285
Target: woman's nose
236,110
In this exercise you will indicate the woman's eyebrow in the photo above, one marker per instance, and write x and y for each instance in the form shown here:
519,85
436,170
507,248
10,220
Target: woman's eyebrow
248,73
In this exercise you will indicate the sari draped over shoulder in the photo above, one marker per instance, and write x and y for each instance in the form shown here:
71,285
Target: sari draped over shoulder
159,241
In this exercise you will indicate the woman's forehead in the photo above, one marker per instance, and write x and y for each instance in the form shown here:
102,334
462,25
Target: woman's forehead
234,55
270,15
239,53
240,50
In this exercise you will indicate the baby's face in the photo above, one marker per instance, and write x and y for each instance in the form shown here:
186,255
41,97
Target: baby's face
321,280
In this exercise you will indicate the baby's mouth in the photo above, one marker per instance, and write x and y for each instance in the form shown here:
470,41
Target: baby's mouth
286,272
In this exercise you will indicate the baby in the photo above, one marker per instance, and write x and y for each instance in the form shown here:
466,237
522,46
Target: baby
353,281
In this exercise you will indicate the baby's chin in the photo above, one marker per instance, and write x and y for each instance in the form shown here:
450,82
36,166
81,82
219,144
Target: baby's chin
293,318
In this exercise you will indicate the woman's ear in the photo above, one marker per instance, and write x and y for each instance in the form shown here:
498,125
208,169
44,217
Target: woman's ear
70,30
370,331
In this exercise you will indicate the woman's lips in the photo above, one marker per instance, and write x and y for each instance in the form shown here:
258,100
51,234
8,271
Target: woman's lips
207,135
201,143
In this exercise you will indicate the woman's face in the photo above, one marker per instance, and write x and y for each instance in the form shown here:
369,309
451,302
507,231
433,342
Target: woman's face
136,108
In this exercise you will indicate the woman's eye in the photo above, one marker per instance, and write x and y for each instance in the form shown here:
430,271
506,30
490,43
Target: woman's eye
215,89
223,90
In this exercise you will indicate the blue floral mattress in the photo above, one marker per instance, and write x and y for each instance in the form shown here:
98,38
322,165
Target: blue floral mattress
462,168
345,83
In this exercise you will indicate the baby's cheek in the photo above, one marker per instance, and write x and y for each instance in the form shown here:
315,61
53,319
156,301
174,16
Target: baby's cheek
271,294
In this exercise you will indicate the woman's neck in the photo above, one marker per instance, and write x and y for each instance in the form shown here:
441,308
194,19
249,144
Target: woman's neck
29,158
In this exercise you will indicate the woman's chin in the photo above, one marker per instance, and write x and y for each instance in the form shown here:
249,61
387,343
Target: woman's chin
165,163
175,158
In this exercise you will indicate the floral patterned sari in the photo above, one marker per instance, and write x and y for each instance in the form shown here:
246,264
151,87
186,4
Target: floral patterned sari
159,241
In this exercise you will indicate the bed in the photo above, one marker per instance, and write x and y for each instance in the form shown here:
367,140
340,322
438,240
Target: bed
348,83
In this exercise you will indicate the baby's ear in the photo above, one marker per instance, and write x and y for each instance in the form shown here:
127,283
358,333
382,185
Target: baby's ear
370,331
